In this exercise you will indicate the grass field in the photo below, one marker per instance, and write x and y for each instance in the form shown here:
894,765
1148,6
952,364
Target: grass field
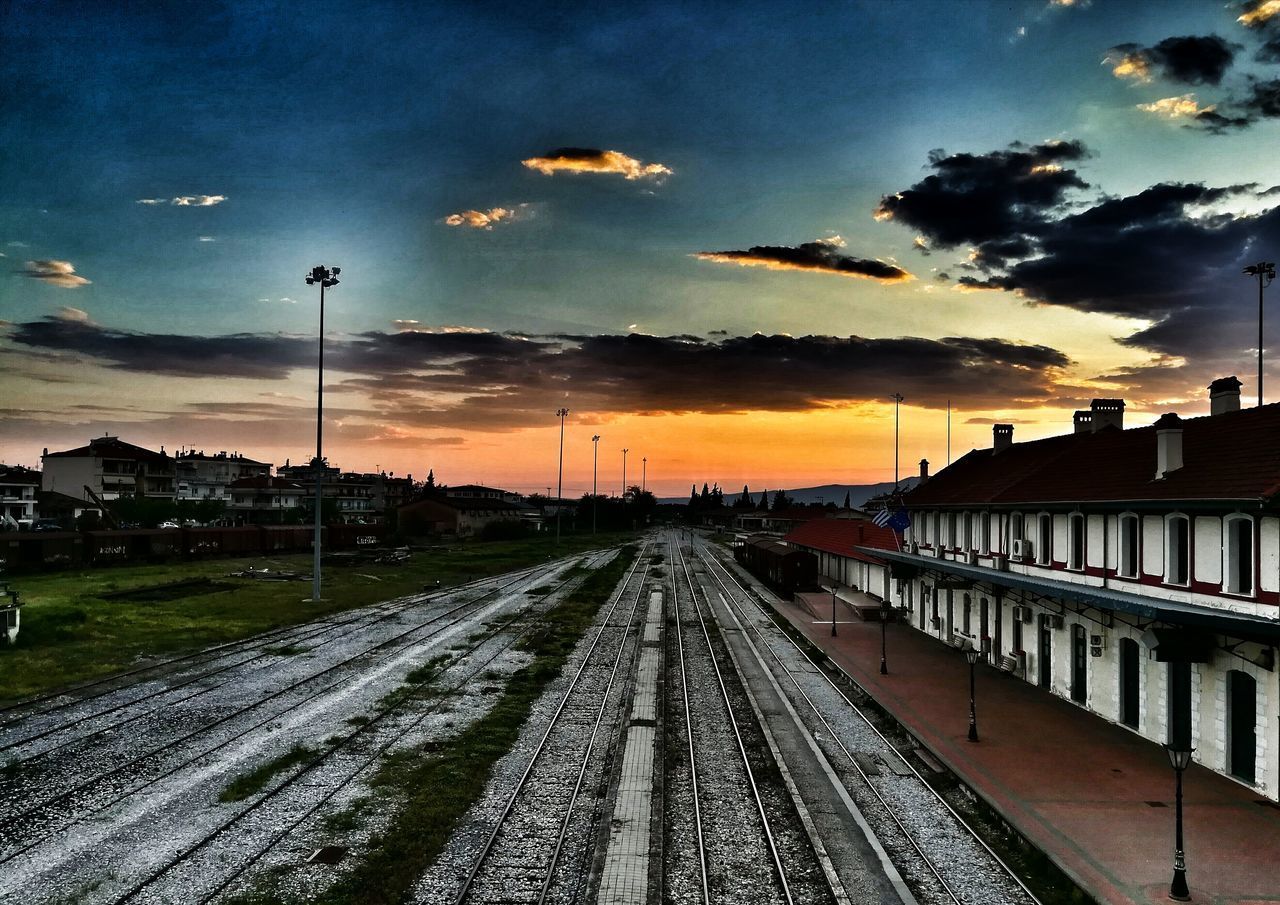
70,633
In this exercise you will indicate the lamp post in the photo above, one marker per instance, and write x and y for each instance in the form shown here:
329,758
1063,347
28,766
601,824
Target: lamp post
1265,271
624,475
971,654
884,623
560,413
833,608
897,398
326,277
595,463
1179,759
644,474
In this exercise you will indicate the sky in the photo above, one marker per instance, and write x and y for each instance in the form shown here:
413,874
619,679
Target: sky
722,235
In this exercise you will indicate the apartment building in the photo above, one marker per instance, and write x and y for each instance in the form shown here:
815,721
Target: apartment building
111,469
208,477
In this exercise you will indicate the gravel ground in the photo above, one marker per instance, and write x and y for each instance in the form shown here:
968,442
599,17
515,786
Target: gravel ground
906,815
113,789
740,865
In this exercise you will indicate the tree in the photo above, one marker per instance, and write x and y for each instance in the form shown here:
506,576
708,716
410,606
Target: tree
780,501
693,496
743,501
431,480
764,501
846,500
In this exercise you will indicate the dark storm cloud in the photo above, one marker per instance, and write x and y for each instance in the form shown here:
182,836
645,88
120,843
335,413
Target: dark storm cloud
1190,59
822,256
996,198
236,355
498,382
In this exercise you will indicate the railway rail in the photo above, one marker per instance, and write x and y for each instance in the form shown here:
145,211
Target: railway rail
942,857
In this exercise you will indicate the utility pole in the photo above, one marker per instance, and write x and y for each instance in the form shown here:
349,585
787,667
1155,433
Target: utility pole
1265,271
595,464
561,413
644,474
624,474
897,398
326,277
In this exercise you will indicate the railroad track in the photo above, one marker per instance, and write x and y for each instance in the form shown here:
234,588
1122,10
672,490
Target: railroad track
74,806
938,852
30,711
187,873
749,837
521,858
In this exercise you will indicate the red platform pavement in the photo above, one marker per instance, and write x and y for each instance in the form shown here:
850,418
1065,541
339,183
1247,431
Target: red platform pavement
1077,786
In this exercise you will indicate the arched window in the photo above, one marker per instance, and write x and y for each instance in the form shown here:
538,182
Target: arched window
984,532
1044,542
968,615
1015,529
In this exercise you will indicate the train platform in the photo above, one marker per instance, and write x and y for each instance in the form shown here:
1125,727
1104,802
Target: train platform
1095,797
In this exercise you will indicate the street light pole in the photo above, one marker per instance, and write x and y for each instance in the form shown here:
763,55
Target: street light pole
971,654
1179,759
833,608
326,277
595,464
897,398
1265,271
644,474
561,413
884,623
624,475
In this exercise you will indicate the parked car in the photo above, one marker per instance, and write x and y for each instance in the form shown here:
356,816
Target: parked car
170,524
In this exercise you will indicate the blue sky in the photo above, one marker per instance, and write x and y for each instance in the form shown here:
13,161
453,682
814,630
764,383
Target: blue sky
348,134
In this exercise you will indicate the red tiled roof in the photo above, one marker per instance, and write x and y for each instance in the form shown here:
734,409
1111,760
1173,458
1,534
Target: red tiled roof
843,536
1232,456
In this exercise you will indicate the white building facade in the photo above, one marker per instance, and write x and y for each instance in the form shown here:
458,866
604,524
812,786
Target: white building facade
1134,573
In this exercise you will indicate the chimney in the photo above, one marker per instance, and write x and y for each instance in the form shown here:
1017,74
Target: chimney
924,472
1168,445
1224,396
1084,421
1107,413
1002,436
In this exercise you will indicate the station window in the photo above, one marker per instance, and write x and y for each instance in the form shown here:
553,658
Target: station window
984,532
953,535
1129,535
1075,544
1239,572
1178,534
967,537
1044,549
1015,529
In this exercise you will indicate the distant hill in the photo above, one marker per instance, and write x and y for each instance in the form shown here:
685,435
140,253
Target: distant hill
823,493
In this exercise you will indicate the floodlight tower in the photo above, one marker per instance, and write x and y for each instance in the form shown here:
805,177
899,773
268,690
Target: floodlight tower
327,277
1265,271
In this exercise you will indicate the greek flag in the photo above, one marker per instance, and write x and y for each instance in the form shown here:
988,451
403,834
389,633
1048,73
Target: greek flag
898,519
882,517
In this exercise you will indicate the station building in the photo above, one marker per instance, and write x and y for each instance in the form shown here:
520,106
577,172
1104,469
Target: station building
1134,573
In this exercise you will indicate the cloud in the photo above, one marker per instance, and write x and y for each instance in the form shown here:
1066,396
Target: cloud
593,160
55,273
186,200
988,200
1191,59
487,219
497,382
1184,105
1258,13
820,256
72,315
207,238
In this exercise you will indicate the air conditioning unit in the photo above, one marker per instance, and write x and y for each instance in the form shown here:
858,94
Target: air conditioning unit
972,557
999,562
1051,620
1022,614
1097,644
914,549
1022,549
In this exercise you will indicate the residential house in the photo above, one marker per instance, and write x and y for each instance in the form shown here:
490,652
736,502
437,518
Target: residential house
18,488
459,516
110,468
207,477
265,500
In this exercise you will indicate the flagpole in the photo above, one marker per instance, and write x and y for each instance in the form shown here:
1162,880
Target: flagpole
897,398
948,431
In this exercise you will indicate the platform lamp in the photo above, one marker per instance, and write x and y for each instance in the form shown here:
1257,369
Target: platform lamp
1179,758
833,608
326,277
884,628
972,654
624,475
